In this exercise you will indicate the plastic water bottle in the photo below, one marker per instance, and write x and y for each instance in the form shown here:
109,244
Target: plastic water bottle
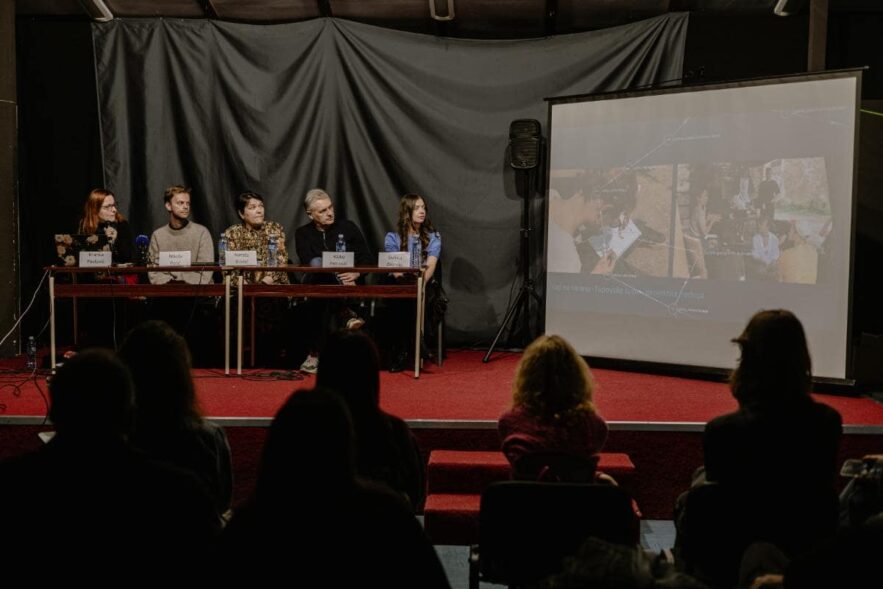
32,353
340,246
222,250
272,251
416,251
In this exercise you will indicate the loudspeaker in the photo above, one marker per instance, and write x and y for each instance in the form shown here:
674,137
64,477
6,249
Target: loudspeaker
525,141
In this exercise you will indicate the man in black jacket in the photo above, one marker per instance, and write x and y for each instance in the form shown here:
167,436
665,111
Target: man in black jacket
324,231
323,234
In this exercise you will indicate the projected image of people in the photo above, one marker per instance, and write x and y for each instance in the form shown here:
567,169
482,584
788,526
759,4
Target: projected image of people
614,223
741,217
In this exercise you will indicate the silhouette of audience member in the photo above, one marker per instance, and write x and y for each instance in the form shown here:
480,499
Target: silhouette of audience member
779,438
849,559
312,522
602,564
90,505
773,460
168,423
552,412
386,450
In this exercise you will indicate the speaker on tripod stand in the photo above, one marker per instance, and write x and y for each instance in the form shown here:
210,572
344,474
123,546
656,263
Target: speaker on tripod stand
525,156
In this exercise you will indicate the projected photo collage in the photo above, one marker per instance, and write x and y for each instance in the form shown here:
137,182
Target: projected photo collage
730,221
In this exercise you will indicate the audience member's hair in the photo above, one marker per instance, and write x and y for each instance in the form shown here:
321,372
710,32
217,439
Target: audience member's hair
91,395
775,367
159,361
552,381
386,450
309,450
602,564
350,367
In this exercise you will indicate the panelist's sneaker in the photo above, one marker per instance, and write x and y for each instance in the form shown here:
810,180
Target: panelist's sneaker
355,322
310,365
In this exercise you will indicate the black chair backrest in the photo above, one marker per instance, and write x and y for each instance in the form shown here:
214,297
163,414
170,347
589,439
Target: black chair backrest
555,467
720,522
528,528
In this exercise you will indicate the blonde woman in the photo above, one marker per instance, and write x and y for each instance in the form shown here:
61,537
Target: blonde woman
552,413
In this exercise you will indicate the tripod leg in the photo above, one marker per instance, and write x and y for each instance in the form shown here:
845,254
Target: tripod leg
510,313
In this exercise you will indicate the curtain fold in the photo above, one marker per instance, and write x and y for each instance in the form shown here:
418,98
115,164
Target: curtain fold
366,113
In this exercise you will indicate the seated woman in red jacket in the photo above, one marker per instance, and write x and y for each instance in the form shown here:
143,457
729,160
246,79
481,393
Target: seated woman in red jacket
553,419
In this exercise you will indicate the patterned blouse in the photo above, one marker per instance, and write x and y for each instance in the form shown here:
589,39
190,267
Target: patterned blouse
241,238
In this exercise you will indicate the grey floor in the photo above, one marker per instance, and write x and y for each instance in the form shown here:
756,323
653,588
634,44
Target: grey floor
656,535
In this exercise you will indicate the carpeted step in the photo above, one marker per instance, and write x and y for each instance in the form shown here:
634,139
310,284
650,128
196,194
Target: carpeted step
468,472
452,519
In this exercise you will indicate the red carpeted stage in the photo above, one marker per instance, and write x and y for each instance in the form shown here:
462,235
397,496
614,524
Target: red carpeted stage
657,420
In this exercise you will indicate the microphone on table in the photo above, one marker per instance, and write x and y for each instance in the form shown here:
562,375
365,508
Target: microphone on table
141,244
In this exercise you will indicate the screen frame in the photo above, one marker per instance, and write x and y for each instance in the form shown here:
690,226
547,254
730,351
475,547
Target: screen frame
712,372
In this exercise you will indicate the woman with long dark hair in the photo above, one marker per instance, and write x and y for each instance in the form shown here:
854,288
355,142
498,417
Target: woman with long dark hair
772,463
386,450
416,235
779,432
313,521
169,425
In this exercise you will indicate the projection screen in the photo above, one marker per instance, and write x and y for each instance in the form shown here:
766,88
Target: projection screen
675,215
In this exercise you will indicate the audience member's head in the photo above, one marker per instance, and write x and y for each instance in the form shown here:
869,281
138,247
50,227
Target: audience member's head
552,381
159,361
602,564
309,450
775,366
91,396
350,367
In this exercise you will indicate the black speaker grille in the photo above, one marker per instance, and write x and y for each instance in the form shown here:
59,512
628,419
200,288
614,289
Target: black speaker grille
524,128
525,153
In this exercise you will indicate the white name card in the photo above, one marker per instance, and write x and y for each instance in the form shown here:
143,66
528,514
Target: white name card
242,258
393,260
96,259
338,259
181,258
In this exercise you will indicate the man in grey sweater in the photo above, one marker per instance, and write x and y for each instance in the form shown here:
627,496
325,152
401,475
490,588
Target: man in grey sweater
181,235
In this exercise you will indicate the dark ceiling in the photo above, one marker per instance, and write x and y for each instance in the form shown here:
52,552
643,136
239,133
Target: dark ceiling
471,18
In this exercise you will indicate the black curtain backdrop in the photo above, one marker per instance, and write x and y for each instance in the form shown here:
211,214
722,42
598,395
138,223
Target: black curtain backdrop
366,113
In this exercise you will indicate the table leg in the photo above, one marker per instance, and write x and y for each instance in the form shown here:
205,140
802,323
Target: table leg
52,320
227,325
253,319
239,325
418,327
